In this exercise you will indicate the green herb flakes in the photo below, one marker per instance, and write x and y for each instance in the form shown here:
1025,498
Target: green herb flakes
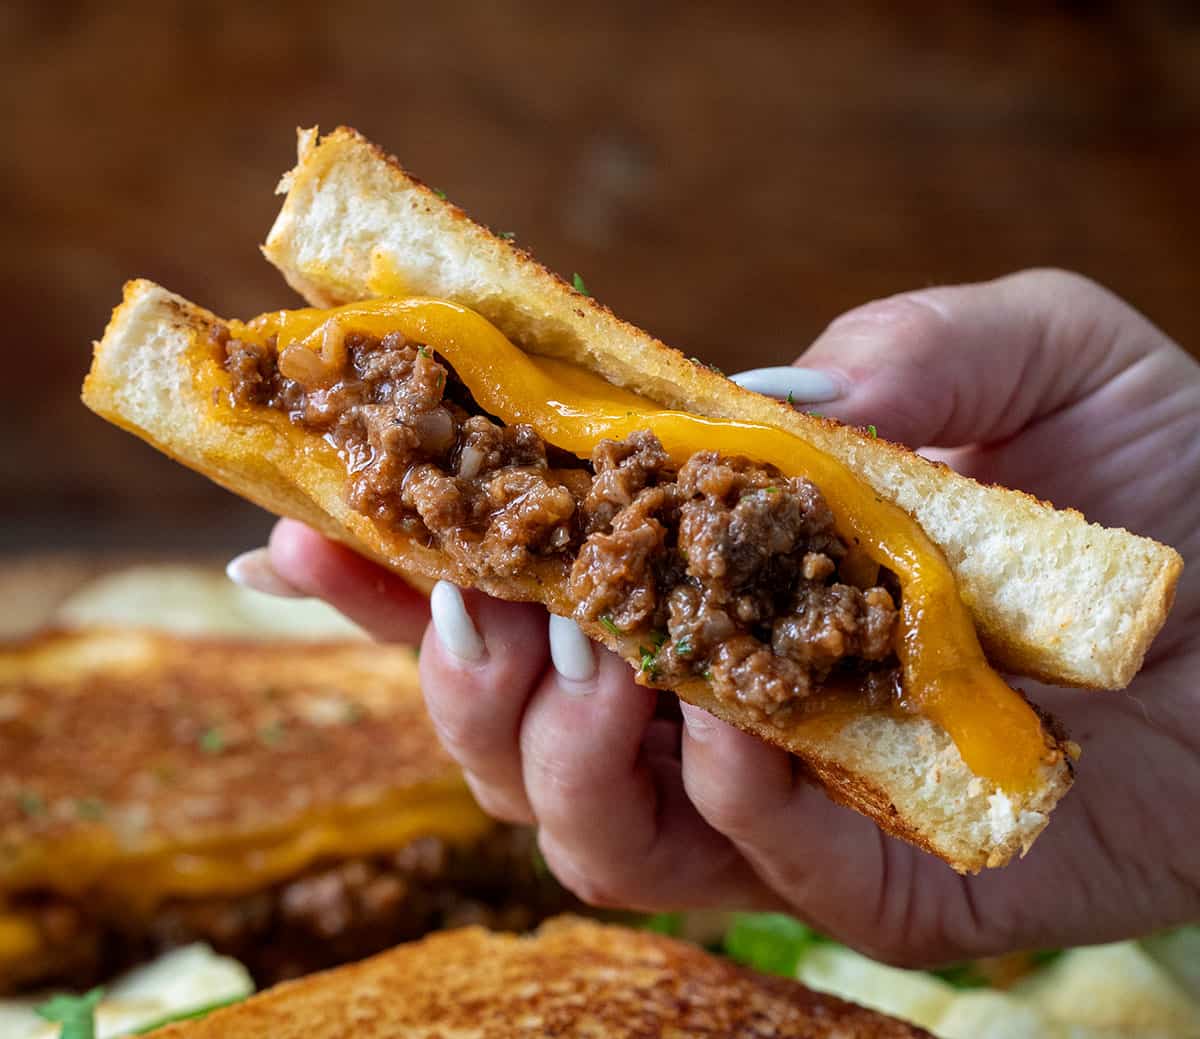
212,741
607,622
577,282
91,808
31,804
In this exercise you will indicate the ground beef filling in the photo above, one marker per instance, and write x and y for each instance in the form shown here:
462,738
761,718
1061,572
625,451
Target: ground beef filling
728,569
333,913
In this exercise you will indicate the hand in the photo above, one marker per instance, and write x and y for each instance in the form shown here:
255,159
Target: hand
1041,381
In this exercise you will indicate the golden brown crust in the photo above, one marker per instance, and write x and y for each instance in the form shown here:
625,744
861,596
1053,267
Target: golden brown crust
572,978
128,742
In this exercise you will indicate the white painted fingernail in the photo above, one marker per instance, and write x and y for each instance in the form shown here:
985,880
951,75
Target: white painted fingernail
795,385
571,650
453,624
253,570
699,722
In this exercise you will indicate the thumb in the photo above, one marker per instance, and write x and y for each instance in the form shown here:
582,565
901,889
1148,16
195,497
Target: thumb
977,363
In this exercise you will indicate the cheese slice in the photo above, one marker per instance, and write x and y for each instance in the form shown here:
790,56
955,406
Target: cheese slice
249,863
946,676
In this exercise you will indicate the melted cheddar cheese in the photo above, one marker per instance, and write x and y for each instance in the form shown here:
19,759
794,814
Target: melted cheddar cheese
240,864
945,675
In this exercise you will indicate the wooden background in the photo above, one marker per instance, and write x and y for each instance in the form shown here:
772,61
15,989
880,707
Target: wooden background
730,175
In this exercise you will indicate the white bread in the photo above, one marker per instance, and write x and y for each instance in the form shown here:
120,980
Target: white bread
1053,597
352,213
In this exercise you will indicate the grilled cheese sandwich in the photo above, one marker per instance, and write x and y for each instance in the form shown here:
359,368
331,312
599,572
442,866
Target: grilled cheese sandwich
156,789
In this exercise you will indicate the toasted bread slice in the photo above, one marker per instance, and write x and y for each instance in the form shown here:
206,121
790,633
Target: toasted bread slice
149,376
153,788
1053,597
571,978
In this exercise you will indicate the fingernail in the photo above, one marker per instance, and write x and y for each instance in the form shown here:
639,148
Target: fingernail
699,722
571,651
795,385
253,570
453,624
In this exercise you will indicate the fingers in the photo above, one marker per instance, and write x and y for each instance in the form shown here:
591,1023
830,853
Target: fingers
825,860
976,363
300,561
603,779
794,385
480,662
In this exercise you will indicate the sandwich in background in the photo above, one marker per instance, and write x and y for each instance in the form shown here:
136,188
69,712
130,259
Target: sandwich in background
571,978
287,803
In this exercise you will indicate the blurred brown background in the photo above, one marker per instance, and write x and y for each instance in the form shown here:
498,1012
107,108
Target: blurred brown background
730,175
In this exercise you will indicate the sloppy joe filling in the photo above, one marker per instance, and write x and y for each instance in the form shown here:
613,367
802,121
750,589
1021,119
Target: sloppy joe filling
726,569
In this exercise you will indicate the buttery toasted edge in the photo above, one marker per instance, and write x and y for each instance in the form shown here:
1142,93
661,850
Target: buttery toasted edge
905,773
570,977
1052,596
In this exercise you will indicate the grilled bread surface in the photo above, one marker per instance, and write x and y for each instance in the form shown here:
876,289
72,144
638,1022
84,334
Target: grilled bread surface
571,978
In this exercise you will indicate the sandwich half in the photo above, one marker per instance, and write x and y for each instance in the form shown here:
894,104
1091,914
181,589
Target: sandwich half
288,804
456,411
571,978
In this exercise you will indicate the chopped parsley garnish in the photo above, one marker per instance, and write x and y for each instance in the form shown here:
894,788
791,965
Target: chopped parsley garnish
89,808
707,676
423,351
31,804
706,364
440,193
791,397
609,625
508,236
648,657
683,646
577,282
816,414
212,741
872,431
771,490
76,1014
